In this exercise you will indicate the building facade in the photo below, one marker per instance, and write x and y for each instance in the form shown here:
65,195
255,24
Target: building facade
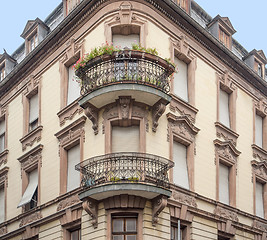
165,138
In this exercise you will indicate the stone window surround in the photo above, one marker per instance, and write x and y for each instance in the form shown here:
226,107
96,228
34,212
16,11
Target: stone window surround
180,129
33,87
68,137
30,161
259,174
225,83
4,184
226,153
3,117
74,50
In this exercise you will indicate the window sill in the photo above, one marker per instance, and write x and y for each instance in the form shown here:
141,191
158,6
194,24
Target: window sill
259,152
68,112
30,138
3,157
226,133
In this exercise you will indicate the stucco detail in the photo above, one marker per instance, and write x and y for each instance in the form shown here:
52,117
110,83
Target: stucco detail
225,213
184,198
68,202
30,218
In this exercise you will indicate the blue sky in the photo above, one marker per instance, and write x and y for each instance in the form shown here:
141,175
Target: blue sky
249,20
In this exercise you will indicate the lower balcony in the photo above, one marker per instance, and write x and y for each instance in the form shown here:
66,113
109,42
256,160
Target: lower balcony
137,174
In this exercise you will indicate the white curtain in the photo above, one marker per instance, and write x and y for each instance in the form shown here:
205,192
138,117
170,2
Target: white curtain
259,200
180,170
73,86
258,130
2,205
125,139
224,184
34,108
180,80
224,108
123,41
73,179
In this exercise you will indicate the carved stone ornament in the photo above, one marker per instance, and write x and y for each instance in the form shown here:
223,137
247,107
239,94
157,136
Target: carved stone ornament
4,176
3,230
158,204
184,199
181,213
225,133
226,151
68,202
71,216
259,152
30,218
261,106
259,225
92,113
260,169
31,158
31,85
182,127
29,139
30,232
225,213
157,110
91,207
3,157
226,81
226,227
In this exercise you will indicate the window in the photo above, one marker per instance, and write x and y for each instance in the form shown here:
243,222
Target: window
30,195
223,238
2,204
224,108
180,170
224,38
259,130
179,231
259,199
33,112
75,234
125,139
2,135
258,68
33,41
73,85
180,87
2,73
73,176
124,228
224,184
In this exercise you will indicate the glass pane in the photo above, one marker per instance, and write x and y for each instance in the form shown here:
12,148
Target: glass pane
131,225
76,235
117,225
118,237
131,237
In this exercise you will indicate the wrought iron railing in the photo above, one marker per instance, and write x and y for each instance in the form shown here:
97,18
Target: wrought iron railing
125,167
126,66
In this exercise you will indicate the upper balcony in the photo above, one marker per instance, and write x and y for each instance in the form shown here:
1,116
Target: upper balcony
138,174
141,75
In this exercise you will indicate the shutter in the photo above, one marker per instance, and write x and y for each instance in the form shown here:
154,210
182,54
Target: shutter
30,190
180,80
34,108
73,86
258,130
224,108
122,41
125,139
259,200
2,205
73,178
224,184
180,170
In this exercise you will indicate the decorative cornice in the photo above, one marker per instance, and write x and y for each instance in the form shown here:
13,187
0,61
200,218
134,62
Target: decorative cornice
68,202
226,227
260,170
3,157
259,152
30,218
32,137
225,133
3,176
225,213
226,151
181,213
184,199
30,232
71,216
261,106
226,81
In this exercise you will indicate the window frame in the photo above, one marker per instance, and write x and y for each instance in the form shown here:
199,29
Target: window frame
184,226
69,137
4,185
263,115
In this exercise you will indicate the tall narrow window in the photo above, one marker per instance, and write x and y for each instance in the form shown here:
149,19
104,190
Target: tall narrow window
124,228
30,196
259,200
179,231
2,204
125,139
180,79
33,41
224,196
180,171
224,38
123,41
73,86
258,68
2,135
258,130
73,178
224,108
33,112
2,73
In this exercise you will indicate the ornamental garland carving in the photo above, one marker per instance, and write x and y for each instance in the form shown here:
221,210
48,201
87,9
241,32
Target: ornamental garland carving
260,169
225,213
30,218
184,199
68,202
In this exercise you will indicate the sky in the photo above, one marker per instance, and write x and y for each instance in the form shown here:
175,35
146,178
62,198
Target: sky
249,20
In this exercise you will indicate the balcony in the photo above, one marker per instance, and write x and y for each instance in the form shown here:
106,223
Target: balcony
138,174
143,76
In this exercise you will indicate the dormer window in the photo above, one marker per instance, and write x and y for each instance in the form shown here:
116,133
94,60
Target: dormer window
2,73
7,63
33,41
184,4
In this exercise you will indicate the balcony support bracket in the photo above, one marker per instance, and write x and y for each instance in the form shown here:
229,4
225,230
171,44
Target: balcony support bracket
157,110
91,207
158,204
92,113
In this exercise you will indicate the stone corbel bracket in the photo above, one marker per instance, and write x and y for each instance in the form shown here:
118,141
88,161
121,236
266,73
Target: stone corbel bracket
92,113
157,110
91,207
158,204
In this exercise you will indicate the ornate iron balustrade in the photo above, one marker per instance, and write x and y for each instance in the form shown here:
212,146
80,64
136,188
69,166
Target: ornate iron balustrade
125,167
127,66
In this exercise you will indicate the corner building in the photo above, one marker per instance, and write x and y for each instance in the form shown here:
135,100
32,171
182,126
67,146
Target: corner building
133,150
